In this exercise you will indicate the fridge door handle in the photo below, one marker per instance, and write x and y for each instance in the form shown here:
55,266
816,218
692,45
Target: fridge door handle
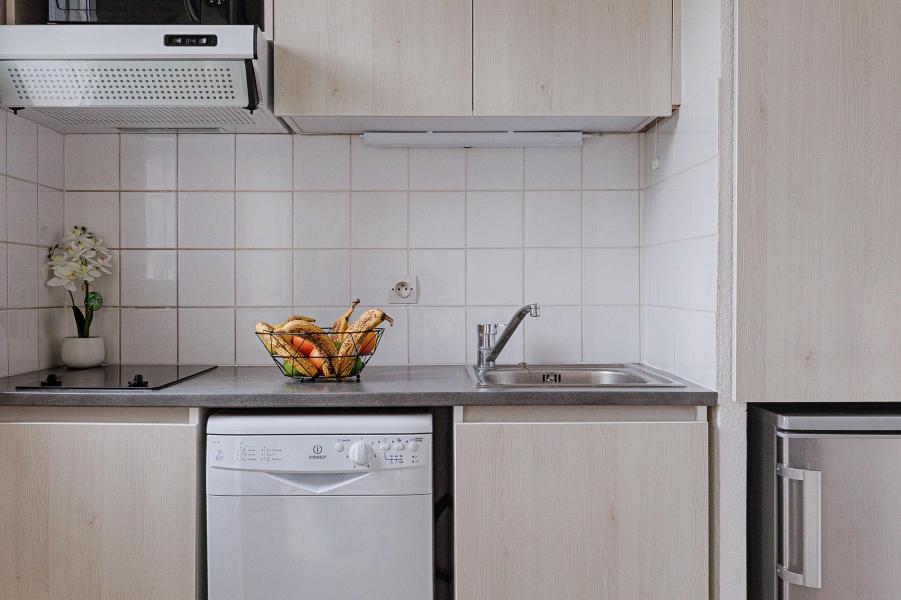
811,489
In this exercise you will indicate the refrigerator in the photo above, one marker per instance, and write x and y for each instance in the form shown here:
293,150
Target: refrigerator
824,503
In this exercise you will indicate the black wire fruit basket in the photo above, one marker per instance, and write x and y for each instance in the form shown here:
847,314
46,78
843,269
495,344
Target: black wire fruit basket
325,356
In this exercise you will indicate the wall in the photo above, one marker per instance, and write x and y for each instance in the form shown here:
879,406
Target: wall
216,232
679,197
31,217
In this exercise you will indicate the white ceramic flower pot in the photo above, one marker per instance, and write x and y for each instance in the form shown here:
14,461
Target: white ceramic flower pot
82,353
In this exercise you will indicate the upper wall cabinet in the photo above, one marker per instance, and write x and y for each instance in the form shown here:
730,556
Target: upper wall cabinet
572,57
373,57
818,210
424,59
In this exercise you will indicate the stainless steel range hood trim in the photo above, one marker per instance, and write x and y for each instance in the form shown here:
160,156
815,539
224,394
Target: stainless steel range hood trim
124,42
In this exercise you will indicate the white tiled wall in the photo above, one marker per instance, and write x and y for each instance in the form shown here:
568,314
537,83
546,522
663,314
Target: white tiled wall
679,212
31,219
216,232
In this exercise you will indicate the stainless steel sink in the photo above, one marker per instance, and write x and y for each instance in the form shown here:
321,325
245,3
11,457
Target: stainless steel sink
569,375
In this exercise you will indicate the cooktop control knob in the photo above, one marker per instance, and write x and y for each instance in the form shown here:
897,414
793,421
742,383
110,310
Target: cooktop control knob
413,446
360,453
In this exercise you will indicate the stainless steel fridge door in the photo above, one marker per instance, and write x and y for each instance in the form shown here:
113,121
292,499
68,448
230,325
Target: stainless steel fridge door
839,516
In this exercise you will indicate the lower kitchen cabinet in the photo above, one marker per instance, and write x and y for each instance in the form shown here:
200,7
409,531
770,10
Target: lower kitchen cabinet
99,504
575,503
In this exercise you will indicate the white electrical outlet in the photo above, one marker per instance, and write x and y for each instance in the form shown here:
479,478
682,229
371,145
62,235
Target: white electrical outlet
403,289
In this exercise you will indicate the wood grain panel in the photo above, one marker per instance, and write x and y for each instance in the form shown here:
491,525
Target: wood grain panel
373,57
601,511
98,511
572,57
818,272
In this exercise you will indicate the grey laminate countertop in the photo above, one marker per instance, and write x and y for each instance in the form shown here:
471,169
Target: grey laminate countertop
264,387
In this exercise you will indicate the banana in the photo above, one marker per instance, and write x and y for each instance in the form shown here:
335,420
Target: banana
295,318
366,322
278,346
342,323
323,348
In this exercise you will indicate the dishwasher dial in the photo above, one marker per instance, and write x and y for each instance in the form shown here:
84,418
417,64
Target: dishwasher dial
360,453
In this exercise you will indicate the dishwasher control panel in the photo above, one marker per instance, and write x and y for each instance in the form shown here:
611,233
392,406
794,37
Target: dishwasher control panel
332,453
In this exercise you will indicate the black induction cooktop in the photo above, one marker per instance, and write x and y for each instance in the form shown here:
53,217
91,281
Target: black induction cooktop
109,377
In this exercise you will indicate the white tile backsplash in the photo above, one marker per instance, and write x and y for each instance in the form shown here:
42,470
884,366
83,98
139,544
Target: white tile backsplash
610,162
22,139
206,162
206,278
377,168
494,277
437,335
149,336
321,162
294,237
263,162
51,325
92,162
378,219
206,220
21,211
51,216
23,274
51,160
321,219
494,168
437,169
442,276
321,277
553,219
31,219
553,168
610,276
264,278
555,336
610,334
264,219
206,336
553,275
98,211
494,219
149,219
610,219
437,219
371,272
22,333
679,200
149,277
147,161
3,142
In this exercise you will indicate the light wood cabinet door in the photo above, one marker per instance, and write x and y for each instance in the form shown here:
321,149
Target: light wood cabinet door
818,201
98,511
373,57
586,511
572,57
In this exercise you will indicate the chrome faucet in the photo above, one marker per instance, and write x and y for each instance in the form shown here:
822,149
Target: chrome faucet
490,345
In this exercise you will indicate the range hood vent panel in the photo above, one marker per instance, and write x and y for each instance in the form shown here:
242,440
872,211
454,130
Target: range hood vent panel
123,83
144,117
109,78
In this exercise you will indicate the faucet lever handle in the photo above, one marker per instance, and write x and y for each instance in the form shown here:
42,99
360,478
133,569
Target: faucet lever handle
487,329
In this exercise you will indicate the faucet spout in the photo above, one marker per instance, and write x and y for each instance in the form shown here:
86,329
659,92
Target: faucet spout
533,310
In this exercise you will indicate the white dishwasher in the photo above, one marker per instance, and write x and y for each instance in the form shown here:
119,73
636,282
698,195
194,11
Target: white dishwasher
319,507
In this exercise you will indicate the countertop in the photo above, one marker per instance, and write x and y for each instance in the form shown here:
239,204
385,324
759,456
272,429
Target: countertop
264,387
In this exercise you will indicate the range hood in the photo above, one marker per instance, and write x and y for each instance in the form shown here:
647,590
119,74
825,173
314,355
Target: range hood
109,78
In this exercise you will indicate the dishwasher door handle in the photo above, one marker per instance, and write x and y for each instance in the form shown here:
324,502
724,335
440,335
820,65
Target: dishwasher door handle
811,526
